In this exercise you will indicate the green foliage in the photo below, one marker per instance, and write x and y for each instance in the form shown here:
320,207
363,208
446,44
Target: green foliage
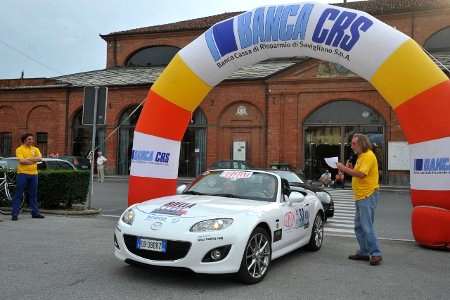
62,188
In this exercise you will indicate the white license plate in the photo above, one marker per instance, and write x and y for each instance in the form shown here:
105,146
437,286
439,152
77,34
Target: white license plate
152,245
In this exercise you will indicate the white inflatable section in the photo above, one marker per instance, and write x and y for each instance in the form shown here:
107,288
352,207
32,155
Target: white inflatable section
154,157
430,165
348,37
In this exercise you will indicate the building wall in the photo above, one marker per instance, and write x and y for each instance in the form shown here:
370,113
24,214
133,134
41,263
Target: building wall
276,108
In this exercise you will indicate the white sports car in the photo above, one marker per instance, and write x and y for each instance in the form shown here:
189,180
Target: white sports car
226,221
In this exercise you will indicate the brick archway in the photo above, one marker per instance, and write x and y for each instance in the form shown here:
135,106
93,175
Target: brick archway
241,121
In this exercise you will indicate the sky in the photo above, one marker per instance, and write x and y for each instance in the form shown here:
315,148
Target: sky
47,38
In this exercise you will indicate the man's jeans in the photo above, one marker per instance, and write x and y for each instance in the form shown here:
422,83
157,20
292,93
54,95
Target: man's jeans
30,183
364,218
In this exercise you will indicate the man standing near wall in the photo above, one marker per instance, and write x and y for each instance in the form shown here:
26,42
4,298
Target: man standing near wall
365,184
27,176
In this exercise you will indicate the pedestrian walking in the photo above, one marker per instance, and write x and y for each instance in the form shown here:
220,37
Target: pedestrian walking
27,176
101,166
365,187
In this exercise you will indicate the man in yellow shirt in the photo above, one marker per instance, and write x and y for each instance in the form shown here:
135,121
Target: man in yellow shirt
27,176
365,192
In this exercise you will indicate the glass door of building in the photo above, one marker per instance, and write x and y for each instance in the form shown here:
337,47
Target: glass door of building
331,141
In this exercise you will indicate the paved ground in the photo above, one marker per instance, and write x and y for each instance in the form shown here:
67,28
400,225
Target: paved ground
392,216
71,258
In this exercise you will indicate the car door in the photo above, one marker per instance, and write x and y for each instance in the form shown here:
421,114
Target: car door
295,220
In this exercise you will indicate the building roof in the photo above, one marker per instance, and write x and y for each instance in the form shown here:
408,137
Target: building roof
375,7
147,75
132,76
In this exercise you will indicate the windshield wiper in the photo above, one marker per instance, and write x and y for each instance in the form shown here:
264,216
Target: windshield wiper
226,195
193,193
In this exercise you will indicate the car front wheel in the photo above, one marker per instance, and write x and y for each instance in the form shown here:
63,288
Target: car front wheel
257,257
316,240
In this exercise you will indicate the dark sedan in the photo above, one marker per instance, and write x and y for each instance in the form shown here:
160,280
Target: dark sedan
79,162
297,184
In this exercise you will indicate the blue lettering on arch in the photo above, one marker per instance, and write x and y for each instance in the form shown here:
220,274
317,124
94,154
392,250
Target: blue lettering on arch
302,22
273,18
337,32
212,45
258,26
245,30
285,29
320,34
363,24
224,37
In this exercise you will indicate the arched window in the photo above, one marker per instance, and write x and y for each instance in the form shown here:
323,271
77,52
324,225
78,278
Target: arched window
127,125
439,42
329,129
349,112
193,146
157,56
82,136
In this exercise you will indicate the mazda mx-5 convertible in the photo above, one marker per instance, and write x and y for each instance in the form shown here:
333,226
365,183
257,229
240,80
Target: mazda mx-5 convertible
226,221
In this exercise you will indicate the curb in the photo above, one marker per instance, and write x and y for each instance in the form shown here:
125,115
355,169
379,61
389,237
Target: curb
58,212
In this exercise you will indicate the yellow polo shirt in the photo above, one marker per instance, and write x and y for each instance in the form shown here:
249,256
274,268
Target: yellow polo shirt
26,152
368,165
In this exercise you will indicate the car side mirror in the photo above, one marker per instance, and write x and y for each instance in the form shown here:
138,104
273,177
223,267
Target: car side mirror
285,187
181,189
296,197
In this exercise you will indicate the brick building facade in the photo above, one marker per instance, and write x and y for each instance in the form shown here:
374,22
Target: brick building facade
274,107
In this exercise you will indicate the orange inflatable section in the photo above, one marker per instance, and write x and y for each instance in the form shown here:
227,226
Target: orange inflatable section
167,120
439,199
140,188
419,116
431,226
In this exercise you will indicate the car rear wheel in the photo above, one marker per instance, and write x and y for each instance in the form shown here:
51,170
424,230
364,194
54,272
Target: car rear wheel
316,240
257,257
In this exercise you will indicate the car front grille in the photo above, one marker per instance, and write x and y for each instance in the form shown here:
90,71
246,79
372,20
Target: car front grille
175,249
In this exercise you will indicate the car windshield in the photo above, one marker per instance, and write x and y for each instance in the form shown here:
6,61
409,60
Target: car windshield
236,184
290,176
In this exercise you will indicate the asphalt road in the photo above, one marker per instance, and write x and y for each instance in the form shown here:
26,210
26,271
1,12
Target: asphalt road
71,258
392,215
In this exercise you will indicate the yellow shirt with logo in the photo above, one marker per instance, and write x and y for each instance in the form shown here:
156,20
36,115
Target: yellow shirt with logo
366,186
27,152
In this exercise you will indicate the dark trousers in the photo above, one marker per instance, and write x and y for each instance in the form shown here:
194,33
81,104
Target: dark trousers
29,183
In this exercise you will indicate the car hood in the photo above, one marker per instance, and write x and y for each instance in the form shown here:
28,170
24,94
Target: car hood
310,187
191,206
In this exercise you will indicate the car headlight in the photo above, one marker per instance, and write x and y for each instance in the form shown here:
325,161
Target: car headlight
128,216
211,225
324,197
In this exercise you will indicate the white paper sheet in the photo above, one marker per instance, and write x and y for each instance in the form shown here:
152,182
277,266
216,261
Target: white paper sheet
332,161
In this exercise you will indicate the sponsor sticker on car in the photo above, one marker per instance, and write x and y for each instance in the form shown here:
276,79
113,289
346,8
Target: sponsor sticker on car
235,175
174,208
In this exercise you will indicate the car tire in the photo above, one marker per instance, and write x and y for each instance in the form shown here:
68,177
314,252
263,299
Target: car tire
256,260
316,240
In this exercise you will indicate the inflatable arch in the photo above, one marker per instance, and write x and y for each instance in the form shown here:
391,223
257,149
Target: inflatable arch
392,62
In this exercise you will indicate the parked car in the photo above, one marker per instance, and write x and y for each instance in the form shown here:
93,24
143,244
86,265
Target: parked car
226,221
45,164
230,164
81,163
297,184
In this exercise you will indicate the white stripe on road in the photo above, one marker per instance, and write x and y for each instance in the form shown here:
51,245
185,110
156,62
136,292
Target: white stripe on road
341,221
342,218
342,214
339,230
336,225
